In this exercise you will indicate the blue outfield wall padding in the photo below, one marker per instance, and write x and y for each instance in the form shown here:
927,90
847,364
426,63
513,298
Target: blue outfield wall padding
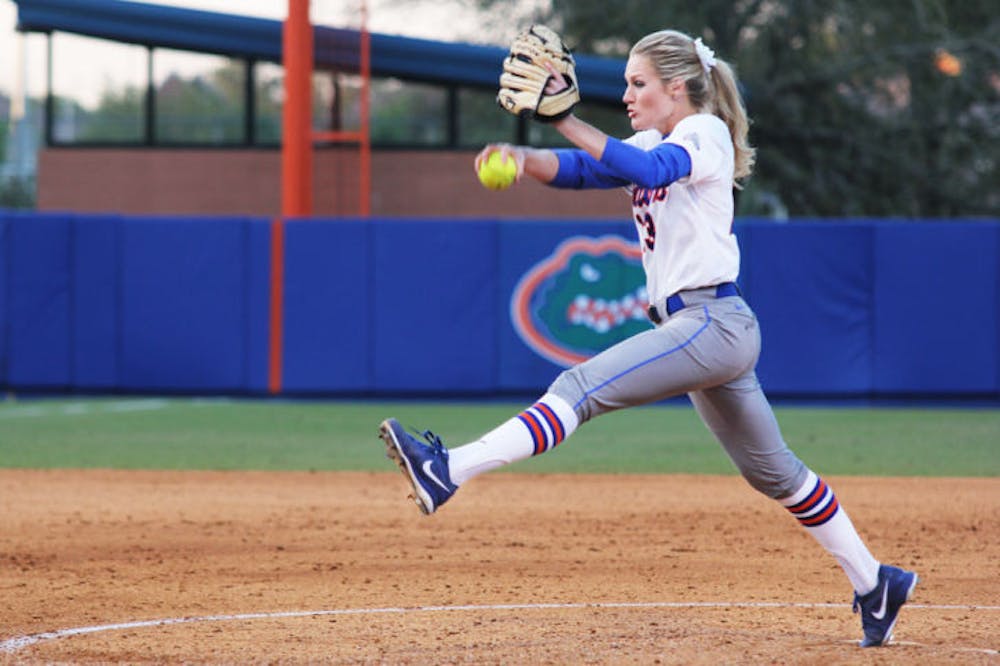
183,304
257,286
328,295
434,316
387,307
545,266
96,340
4,314
810,286
936,307
39,301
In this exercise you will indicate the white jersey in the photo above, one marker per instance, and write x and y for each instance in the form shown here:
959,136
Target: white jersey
686,229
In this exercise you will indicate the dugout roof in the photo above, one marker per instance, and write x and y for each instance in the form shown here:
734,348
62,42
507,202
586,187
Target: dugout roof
601,79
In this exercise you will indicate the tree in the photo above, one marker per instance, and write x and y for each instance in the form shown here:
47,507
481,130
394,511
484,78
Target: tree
201,109
118,117
859,109
17,192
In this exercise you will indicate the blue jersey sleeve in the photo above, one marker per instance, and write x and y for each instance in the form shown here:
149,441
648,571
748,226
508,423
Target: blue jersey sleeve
620,165
658,167
578,170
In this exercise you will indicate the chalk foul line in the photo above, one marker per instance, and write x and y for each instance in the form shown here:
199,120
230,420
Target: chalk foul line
12,645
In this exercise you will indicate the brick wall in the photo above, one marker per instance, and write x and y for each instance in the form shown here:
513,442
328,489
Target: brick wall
415,183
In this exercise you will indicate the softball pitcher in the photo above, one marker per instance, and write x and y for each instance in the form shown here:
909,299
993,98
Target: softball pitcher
679,168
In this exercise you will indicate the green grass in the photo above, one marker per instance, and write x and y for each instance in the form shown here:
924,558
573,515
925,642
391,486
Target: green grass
178,433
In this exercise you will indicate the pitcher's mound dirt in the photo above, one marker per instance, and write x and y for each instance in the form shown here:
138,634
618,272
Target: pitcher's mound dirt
689,569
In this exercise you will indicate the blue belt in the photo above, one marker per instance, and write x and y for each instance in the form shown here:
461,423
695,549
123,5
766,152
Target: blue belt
676,302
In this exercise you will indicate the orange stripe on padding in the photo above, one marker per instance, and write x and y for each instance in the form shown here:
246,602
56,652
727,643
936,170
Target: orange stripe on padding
277,311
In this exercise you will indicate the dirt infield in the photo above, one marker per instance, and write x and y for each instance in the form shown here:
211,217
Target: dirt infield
234,567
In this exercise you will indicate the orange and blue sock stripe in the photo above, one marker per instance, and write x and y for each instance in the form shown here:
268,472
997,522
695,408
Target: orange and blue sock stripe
819,506
547,431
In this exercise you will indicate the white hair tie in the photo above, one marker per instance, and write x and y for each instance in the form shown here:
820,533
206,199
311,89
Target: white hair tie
705,55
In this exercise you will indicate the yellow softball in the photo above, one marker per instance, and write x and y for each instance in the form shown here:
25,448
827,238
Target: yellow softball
495,173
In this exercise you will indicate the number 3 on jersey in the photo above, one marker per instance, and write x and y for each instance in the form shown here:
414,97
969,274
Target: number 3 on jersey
647,230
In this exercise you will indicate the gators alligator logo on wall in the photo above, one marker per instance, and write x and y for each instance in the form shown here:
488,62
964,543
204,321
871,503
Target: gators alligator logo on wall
588,295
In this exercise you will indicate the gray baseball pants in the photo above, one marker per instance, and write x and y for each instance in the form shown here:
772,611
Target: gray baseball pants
708,350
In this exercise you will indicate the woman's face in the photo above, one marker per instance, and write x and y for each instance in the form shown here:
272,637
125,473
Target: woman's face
652,103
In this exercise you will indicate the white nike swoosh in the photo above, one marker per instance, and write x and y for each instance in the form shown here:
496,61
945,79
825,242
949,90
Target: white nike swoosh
880,613
427,470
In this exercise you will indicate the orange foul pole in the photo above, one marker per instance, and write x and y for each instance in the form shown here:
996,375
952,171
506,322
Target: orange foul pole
296,135
296,166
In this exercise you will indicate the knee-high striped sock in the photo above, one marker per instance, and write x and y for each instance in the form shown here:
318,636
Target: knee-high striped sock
537,429
817,509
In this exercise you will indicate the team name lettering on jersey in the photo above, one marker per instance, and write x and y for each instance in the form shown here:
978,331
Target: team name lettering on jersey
643,196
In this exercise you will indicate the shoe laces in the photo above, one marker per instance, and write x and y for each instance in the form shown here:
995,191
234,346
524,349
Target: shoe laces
434,441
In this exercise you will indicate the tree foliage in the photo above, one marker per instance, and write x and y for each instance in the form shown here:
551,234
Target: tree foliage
17,192
887,109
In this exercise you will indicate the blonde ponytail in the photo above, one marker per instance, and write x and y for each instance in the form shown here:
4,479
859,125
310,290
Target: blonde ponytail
729,106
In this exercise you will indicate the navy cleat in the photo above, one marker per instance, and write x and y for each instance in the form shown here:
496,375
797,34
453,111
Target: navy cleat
424,465
880,608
